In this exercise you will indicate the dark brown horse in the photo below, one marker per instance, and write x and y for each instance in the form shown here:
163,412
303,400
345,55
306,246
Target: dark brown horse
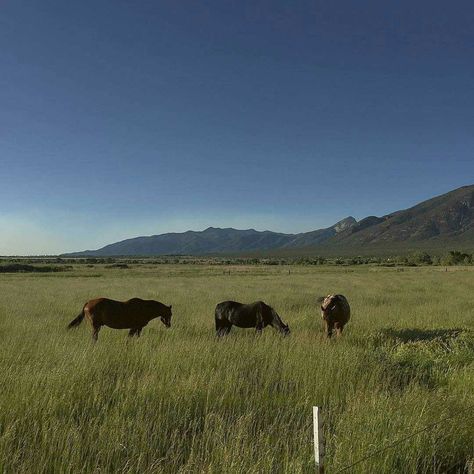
255,315
133,314
336,312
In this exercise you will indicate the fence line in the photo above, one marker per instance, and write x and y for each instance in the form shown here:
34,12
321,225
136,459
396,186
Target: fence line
405,438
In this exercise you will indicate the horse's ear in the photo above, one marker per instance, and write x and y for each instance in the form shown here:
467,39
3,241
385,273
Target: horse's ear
170,306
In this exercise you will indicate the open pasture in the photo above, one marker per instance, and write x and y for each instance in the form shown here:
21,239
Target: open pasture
181,401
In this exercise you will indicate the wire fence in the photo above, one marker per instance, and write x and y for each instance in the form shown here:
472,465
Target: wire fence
399,441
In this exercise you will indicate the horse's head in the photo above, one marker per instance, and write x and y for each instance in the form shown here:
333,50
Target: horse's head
278,324
166,316
328,305
285,329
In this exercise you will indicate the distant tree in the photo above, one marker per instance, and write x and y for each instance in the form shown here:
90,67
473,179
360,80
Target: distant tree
420,258
456,257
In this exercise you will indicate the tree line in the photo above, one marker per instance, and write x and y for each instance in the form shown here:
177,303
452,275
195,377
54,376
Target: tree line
420,258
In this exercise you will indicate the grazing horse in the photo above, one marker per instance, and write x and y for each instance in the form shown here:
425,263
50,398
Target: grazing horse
336,312
133,314
255,315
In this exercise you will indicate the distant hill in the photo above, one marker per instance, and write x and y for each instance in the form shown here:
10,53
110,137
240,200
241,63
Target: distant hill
444,221
214,241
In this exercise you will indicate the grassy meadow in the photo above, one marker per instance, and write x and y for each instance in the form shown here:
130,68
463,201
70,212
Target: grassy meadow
180,401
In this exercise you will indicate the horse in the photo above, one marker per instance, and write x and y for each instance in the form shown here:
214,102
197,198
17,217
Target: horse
255,315
336,312
133,314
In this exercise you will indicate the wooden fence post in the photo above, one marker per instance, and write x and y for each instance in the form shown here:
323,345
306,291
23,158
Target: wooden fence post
318,440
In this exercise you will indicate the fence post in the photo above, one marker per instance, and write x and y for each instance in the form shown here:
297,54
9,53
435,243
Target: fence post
318,440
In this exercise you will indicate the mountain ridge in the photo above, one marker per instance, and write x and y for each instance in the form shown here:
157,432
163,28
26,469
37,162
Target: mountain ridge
444,219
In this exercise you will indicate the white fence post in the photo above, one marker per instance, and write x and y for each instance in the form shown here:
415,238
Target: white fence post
318,440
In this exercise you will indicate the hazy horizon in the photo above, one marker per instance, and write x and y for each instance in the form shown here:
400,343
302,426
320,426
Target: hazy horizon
120,120
182,227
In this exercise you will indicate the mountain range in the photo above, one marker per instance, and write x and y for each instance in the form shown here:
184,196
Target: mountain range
443,222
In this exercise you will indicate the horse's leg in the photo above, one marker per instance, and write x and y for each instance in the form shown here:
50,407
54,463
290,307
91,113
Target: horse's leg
135,332
329,328
259,324
95,333
222,329
339,327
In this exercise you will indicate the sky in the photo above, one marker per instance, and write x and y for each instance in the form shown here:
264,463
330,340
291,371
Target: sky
121,118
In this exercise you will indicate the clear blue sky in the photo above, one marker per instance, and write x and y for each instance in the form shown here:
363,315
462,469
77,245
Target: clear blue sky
122,118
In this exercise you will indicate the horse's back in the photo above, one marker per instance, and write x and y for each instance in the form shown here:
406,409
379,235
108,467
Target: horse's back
339,308
118,314
135,301
238,314
103,303
96,303
344,308
224,308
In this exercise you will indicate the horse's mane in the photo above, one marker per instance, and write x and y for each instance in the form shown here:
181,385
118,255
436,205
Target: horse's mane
328,300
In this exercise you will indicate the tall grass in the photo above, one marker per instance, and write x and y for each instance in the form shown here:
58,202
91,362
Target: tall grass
180,401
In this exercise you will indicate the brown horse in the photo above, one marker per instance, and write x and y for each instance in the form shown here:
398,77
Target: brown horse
336,312
133,314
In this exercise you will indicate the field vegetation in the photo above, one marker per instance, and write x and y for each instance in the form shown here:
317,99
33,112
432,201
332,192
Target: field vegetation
414,259
181,401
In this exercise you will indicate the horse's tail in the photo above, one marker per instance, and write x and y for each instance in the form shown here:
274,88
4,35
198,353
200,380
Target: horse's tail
77,320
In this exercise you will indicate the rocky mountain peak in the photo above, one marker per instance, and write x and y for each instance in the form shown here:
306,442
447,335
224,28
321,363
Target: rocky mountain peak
344,224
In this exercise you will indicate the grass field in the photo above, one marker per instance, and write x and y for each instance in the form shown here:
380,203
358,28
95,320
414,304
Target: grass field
180,401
